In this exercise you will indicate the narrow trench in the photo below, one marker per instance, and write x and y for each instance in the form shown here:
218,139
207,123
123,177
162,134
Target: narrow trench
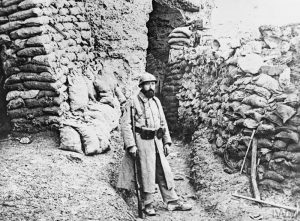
4,120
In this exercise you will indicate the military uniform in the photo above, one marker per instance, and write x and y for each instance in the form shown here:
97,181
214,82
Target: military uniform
149,117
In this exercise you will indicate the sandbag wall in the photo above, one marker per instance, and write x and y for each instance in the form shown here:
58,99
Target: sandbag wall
37,34
179,41
237,87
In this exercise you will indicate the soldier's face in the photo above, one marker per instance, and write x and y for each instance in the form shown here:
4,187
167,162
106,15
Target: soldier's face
148,89
149,85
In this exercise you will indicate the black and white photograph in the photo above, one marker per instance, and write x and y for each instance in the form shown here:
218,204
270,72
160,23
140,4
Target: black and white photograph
155,110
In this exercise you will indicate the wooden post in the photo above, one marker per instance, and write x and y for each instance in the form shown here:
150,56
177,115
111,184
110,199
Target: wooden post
253,170
249,145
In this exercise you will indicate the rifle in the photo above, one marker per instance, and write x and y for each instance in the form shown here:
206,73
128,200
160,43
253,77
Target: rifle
138,187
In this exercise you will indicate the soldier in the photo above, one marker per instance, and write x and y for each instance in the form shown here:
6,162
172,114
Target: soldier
151,142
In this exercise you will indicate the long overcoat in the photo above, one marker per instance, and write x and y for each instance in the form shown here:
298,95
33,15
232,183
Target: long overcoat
148,113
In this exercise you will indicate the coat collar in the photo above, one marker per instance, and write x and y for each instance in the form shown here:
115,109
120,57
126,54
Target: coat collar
143,97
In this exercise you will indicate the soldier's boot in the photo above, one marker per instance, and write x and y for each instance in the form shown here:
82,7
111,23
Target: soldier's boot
179,206
149,210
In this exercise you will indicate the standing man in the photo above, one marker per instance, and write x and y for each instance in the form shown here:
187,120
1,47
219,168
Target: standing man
151,142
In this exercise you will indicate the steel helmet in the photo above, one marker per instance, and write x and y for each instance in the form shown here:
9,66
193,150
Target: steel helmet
146,78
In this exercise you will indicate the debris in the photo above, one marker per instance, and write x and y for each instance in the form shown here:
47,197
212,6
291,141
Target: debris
294,209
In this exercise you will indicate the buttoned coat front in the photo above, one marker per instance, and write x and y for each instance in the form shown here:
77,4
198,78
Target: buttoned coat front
148,113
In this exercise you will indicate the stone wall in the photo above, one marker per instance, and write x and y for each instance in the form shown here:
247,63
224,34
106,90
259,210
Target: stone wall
235,87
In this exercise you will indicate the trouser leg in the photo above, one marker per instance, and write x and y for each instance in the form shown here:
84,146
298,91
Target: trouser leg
147,198
168,195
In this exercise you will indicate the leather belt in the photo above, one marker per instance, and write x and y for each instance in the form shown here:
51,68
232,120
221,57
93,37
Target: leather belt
150,134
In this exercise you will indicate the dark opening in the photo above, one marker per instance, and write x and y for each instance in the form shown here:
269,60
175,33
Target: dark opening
4,120
162,20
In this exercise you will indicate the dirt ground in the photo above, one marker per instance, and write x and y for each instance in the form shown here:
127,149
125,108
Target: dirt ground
38,181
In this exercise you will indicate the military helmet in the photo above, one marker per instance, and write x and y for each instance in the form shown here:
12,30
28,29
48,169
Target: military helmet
146,77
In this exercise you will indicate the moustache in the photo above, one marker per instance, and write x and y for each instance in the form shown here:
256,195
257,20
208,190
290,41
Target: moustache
149,93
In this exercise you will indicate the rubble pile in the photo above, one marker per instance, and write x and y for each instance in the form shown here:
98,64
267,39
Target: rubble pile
245,86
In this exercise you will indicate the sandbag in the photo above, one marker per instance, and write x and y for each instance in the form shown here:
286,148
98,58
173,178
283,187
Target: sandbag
55,110
25,113
8,10
267,82
289,136
45,60
21,15
285,79
42,20
34,3
177,35
107,100
184,30
101,85
44,102
273,176
4,39
284,112
248,123
263,142
279,145
255,100
273,118
39,40
70,139
267,183
254,114
90,141
15,103
258,90
44,93
295,147
5,3
265,129
10,26
35,68
78,92
237,96
27,32
3,19
15,87
292,100
179,40
22,94
32,51
27,76
295,121
273,70
37,85
292,157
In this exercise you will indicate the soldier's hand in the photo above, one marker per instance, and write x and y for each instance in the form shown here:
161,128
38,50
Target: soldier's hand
132,151
166,149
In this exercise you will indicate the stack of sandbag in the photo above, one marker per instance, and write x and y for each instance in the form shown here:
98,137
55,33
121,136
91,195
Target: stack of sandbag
254,91
36,90
180,37
45,40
